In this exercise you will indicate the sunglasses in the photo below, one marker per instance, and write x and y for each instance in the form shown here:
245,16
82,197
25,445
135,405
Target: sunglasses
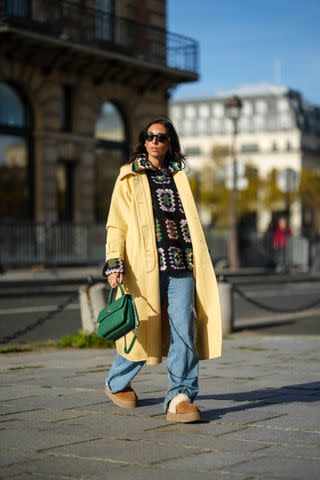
161,137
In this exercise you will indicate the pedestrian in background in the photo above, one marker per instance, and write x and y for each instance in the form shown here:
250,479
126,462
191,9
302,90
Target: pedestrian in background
156,247
280,243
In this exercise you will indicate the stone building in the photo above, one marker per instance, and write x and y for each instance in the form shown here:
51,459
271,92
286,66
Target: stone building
78,78
277,130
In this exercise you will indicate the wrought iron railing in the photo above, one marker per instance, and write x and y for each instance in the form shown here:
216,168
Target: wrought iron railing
28,243
74,23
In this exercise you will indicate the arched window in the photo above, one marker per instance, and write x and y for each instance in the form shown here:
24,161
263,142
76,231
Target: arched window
15,164
111,153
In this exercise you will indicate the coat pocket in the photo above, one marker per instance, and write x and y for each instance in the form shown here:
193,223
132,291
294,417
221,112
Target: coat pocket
150,260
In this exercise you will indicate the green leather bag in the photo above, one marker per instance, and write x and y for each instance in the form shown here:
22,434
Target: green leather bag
119,317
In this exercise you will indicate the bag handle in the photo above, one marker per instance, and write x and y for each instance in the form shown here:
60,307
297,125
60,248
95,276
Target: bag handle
112,295
137,321
113,292
128,349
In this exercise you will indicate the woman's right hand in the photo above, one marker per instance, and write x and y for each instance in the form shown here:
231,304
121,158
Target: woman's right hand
113,279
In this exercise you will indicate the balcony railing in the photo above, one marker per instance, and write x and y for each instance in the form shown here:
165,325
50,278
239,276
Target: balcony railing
71,22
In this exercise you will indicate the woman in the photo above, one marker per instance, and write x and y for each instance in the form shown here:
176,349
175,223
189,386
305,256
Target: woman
280,243
156,247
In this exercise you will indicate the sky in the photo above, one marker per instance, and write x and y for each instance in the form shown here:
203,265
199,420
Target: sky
245,42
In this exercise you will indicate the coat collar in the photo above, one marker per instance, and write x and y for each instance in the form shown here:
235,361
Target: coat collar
125,170
142,163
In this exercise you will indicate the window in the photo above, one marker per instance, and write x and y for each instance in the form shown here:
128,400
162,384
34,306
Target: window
247,108
218,110
12,111
216,125
188,127
104,21
274,147
16,184
202,126
288,146
259,122
283,105
204,111
66,108
261,106
19,8
285,121
228,126
190,111
110,125
111,153
65,176
175,112
244,124
249,148
193,151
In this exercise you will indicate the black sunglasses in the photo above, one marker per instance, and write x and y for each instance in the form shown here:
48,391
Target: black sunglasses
161,137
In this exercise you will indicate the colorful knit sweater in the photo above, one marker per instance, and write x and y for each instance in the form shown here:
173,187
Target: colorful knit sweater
174,245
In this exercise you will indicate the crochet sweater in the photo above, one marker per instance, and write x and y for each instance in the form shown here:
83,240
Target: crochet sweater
174,245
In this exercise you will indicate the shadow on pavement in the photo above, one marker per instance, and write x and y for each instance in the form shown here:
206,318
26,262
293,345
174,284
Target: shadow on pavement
303,392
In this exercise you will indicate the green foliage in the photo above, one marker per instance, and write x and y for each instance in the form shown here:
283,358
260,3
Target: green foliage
80,339
16,348
192,182
309,188
273,194
247,198
26,347
83,339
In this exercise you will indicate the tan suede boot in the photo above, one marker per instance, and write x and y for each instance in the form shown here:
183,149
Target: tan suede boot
182,410
127,398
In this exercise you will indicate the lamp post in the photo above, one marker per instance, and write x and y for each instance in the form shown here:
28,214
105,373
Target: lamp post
233,107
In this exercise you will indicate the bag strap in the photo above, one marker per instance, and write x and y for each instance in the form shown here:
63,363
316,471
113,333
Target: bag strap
137,322
126,349
111,298
113,292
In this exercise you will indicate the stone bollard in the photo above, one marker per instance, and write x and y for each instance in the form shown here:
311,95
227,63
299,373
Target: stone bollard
225,293
92,301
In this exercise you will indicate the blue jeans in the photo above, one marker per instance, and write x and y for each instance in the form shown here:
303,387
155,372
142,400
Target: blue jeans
182,359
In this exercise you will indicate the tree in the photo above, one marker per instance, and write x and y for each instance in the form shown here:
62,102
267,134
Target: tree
218,197
309,191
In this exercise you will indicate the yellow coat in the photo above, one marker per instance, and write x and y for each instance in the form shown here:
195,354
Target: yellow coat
131,236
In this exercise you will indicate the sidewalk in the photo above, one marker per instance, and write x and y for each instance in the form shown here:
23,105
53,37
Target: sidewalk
260,404
38,275
76,274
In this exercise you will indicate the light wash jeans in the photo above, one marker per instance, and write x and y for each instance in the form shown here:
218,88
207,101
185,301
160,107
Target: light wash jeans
182,359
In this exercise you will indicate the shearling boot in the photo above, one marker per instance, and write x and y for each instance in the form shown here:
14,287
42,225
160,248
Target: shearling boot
127,398
182,410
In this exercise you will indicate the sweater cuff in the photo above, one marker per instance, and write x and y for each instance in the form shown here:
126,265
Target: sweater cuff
113,265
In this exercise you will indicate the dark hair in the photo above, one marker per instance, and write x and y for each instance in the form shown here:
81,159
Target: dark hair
174,153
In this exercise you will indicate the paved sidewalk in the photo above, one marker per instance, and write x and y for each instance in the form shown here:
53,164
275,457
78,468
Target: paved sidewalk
260,404
49,275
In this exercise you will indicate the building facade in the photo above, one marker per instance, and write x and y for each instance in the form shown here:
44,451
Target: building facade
78,79
277,131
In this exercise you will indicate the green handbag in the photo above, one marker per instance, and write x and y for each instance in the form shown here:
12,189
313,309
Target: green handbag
119,317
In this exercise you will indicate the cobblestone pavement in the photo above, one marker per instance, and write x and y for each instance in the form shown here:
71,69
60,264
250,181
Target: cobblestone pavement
260,404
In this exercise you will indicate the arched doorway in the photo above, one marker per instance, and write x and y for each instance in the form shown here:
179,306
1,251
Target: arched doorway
16,176
111,153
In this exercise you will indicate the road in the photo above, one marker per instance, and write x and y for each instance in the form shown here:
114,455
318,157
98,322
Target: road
20,307
283,296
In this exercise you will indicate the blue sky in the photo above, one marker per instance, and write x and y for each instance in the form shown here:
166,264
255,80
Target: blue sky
241,41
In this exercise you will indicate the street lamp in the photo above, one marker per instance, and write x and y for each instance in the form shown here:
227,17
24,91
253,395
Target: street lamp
233,106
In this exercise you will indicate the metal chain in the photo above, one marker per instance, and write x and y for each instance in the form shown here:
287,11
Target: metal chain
274,309
40,321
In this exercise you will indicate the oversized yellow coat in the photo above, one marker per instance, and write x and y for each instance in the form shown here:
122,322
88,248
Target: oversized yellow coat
131,237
